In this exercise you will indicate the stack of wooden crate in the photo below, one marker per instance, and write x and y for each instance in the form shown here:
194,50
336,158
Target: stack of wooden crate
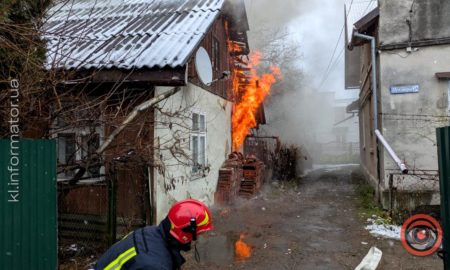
253,176
229,181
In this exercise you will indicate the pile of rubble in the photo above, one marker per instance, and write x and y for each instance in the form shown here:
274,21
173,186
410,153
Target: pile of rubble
239,177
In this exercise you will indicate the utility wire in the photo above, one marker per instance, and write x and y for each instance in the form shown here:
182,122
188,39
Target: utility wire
368,5
331,66
334,65
327,70
332,58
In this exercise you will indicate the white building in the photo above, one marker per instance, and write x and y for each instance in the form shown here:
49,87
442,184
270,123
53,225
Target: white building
408,99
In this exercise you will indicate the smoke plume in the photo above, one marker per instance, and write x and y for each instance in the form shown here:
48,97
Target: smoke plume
300,109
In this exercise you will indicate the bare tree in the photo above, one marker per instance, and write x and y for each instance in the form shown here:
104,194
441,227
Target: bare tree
280,49
58,103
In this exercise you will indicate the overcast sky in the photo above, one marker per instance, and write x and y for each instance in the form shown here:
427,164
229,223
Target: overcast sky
316,26
318,29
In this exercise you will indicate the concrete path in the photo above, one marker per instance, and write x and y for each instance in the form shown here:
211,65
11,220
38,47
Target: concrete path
313,224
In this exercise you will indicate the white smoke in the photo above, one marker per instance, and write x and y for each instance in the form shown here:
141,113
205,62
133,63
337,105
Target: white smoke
301,113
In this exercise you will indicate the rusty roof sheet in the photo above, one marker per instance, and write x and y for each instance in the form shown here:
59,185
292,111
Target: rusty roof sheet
126,34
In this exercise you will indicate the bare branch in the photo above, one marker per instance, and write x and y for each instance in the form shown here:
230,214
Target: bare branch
136,111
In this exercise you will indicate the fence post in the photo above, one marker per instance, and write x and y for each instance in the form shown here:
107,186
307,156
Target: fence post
148,213
391,194
112,210
443,139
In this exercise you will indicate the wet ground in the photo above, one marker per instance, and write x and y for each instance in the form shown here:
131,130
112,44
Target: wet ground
312,224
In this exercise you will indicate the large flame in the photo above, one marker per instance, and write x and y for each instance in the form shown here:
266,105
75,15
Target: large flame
251,89
242,250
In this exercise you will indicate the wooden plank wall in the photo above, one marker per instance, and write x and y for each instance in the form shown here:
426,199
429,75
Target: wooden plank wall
223,87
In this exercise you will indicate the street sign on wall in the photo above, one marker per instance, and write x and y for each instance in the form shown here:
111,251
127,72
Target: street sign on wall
28,215
404,89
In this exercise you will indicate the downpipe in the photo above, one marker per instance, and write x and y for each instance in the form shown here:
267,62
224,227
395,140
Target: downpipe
391,152
374,76
374,99
380,137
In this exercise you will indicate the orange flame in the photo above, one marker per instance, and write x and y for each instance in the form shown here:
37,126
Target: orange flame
242,250
253,89
233,46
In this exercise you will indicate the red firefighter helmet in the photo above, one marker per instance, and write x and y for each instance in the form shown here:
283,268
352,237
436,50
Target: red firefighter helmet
189,218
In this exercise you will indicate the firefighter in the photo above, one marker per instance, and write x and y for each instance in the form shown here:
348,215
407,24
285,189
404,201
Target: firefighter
159,247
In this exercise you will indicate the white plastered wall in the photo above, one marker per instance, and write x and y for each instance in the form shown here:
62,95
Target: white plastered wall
409,121
174,179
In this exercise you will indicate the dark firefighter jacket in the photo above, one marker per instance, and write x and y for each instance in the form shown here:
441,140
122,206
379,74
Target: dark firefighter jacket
144,249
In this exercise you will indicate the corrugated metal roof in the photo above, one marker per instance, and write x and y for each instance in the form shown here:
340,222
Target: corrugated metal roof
356,11
126,34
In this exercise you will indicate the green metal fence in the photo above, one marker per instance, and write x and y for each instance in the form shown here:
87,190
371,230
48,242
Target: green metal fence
28,223
443,138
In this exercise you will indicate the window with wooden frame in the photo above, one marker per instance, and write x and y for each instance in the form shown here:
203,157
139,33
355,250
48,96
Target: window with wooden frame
198,142
215,54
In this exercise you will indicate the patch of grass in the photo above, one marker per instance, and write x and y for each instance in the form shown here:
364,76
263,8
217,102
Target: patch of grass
367,205
292,184
279,189
275,193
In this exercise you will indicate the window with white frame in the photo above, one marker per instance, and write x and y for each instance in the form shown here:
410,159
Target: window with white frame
74,146
77,139
89,144
198,141
67,148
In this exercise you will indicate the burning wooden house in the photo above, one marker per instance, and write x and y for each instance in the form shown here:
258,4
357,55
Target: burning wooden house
123,55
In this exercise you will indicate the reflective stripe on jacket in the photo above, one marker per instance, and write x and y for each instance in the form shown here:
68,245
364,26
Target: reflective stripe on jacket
144,249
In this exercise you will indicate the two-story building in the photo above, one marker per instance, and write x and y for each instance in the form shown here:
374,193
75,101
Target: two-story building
408,99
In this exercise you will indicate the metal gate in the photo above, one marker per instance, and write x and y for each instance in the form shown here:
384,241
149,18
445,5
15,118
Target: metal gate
28,224
443,138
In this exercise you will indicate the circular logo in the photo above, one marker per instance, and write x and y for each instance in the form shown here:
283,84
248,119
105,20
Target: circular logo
421,235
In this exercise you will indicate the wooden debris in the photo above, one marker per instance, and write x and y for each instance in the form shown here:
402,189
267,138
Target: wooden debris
253,173
239,177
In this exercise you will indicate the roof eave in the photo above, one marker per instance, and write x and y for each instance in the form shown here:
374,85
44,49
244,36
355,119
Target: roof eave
363,25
